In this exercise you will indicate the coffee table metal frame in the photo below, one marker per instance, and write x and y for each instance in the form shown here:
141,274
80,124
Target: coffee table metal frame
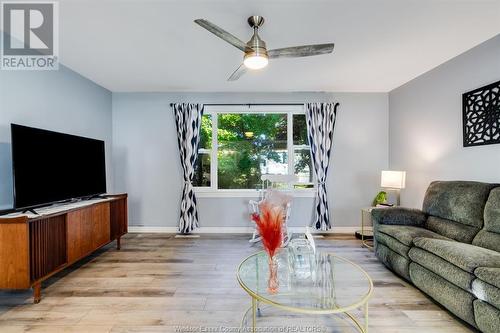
362,303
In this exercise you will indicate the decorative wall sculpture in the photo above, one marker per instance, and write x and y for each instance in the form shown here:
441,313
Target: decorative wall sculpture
481,115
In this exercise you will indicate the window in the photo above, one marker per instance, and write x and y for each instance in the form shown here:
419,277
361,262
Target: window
238,145
202,169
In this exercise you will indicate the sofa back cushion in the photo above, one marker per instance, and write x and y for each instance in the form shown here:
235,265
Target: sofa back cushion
451,229
489,236
459,201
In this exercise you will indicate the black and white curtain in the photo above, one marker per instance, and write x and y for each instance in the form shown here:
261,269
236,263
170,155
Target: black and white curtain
320,125
188,122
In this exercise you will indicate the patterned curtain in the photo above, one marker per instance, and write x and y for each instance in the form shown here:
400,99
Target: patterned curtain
188,122
320,125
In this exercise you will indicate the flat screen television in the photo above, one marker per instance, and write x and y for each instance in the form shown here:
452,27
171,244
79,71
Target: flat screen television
50,167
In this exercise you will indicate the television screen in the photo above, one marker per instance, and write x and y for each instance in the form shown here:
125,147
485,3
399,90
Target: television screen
50,166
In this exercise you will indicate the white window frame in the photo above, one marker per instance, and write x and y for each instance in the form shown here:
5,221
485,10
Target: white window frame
214,111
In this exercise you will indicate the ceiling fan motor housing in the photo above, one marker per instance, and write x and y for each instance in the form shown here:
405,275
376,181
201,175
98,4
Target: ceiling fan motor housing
257,47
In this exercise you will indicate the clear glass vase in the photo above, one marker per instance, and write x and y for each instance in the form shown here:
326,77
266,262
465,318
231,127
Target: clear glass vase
273,281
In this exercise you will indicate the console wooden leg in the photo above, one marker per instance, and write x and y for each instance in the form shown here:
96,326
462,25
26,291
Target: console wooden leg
37,293
118,243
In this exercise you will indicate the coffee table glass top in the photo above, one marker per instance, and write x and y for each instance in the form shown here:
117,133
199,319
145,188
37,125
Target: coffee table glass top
308,282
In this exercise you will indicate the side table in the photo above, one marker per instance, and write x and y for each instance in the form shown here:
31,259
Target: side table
367,227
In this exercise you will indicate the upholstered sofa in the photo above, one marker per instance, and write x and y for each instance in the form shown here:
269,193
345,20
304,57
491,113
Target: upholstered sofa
450,249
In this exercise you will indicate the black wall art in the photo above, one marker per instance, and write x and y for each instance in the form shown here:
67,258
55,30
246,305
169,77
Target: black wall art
481,115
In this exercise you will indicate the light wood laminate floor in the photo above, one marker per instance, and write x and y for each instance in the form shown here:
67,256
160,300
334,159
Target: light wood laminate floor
159,283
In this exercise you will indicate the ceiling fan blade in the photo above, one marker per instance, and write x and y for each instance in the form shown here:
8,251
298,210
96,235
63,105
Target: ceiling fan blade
301,51
223,34
238,73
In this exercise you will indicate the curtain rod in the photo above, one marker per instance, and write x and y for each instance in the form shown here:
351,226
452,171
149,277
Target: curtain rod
246,104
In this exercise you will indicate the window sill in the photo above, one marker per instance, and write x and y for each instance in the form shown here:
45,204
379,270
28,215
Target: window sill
251,194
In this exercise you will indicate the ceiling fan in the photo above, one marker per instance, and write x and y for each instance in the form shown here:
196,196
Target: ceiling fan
256,54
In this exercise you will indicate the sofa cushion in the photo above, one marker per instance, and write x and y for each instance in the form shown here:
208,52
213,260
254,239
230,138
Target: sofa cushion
460,201
487,317
465,256
488,240
458,301
451,229
399,237
441,267
492,211
392,243
489,237
406,234
486,292
489,274
393,260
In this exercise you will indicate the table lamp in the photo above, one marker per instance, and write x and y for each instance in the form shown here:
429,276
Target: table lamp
393,181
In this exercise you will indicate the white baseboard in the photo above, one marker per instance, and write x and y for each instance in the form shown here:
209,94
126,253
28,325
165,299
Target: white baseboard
152,230
234,230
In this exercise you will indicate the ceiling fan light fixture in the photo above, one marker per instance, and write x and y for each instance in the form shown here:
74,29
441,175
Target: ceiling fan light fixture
255,61
256,54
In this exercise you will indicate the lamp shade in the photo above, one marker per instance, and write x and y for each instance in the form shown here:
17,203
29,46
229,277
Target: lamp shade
393,179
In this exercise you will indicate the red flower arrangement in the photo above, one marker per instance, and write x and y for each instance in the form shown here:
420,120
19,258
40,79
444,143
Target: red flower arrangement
269,224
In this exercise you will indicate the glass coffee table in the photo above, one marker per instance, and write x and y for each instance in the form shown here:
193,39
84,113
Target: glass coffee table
308,283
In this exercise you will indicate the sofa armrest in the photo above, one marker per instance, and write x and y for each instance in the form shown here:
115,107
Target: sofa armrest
399,216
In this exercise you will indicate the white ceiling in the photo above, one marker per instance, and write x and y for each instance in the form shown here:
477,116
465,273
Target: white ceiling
153,45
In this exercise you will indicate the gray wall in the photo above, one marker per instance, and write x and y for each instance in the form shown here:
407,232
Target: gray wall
426,124
56,100
145,157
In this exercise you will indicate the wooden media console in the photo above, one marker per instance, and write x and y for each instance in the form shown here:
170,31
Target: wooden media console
33,248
